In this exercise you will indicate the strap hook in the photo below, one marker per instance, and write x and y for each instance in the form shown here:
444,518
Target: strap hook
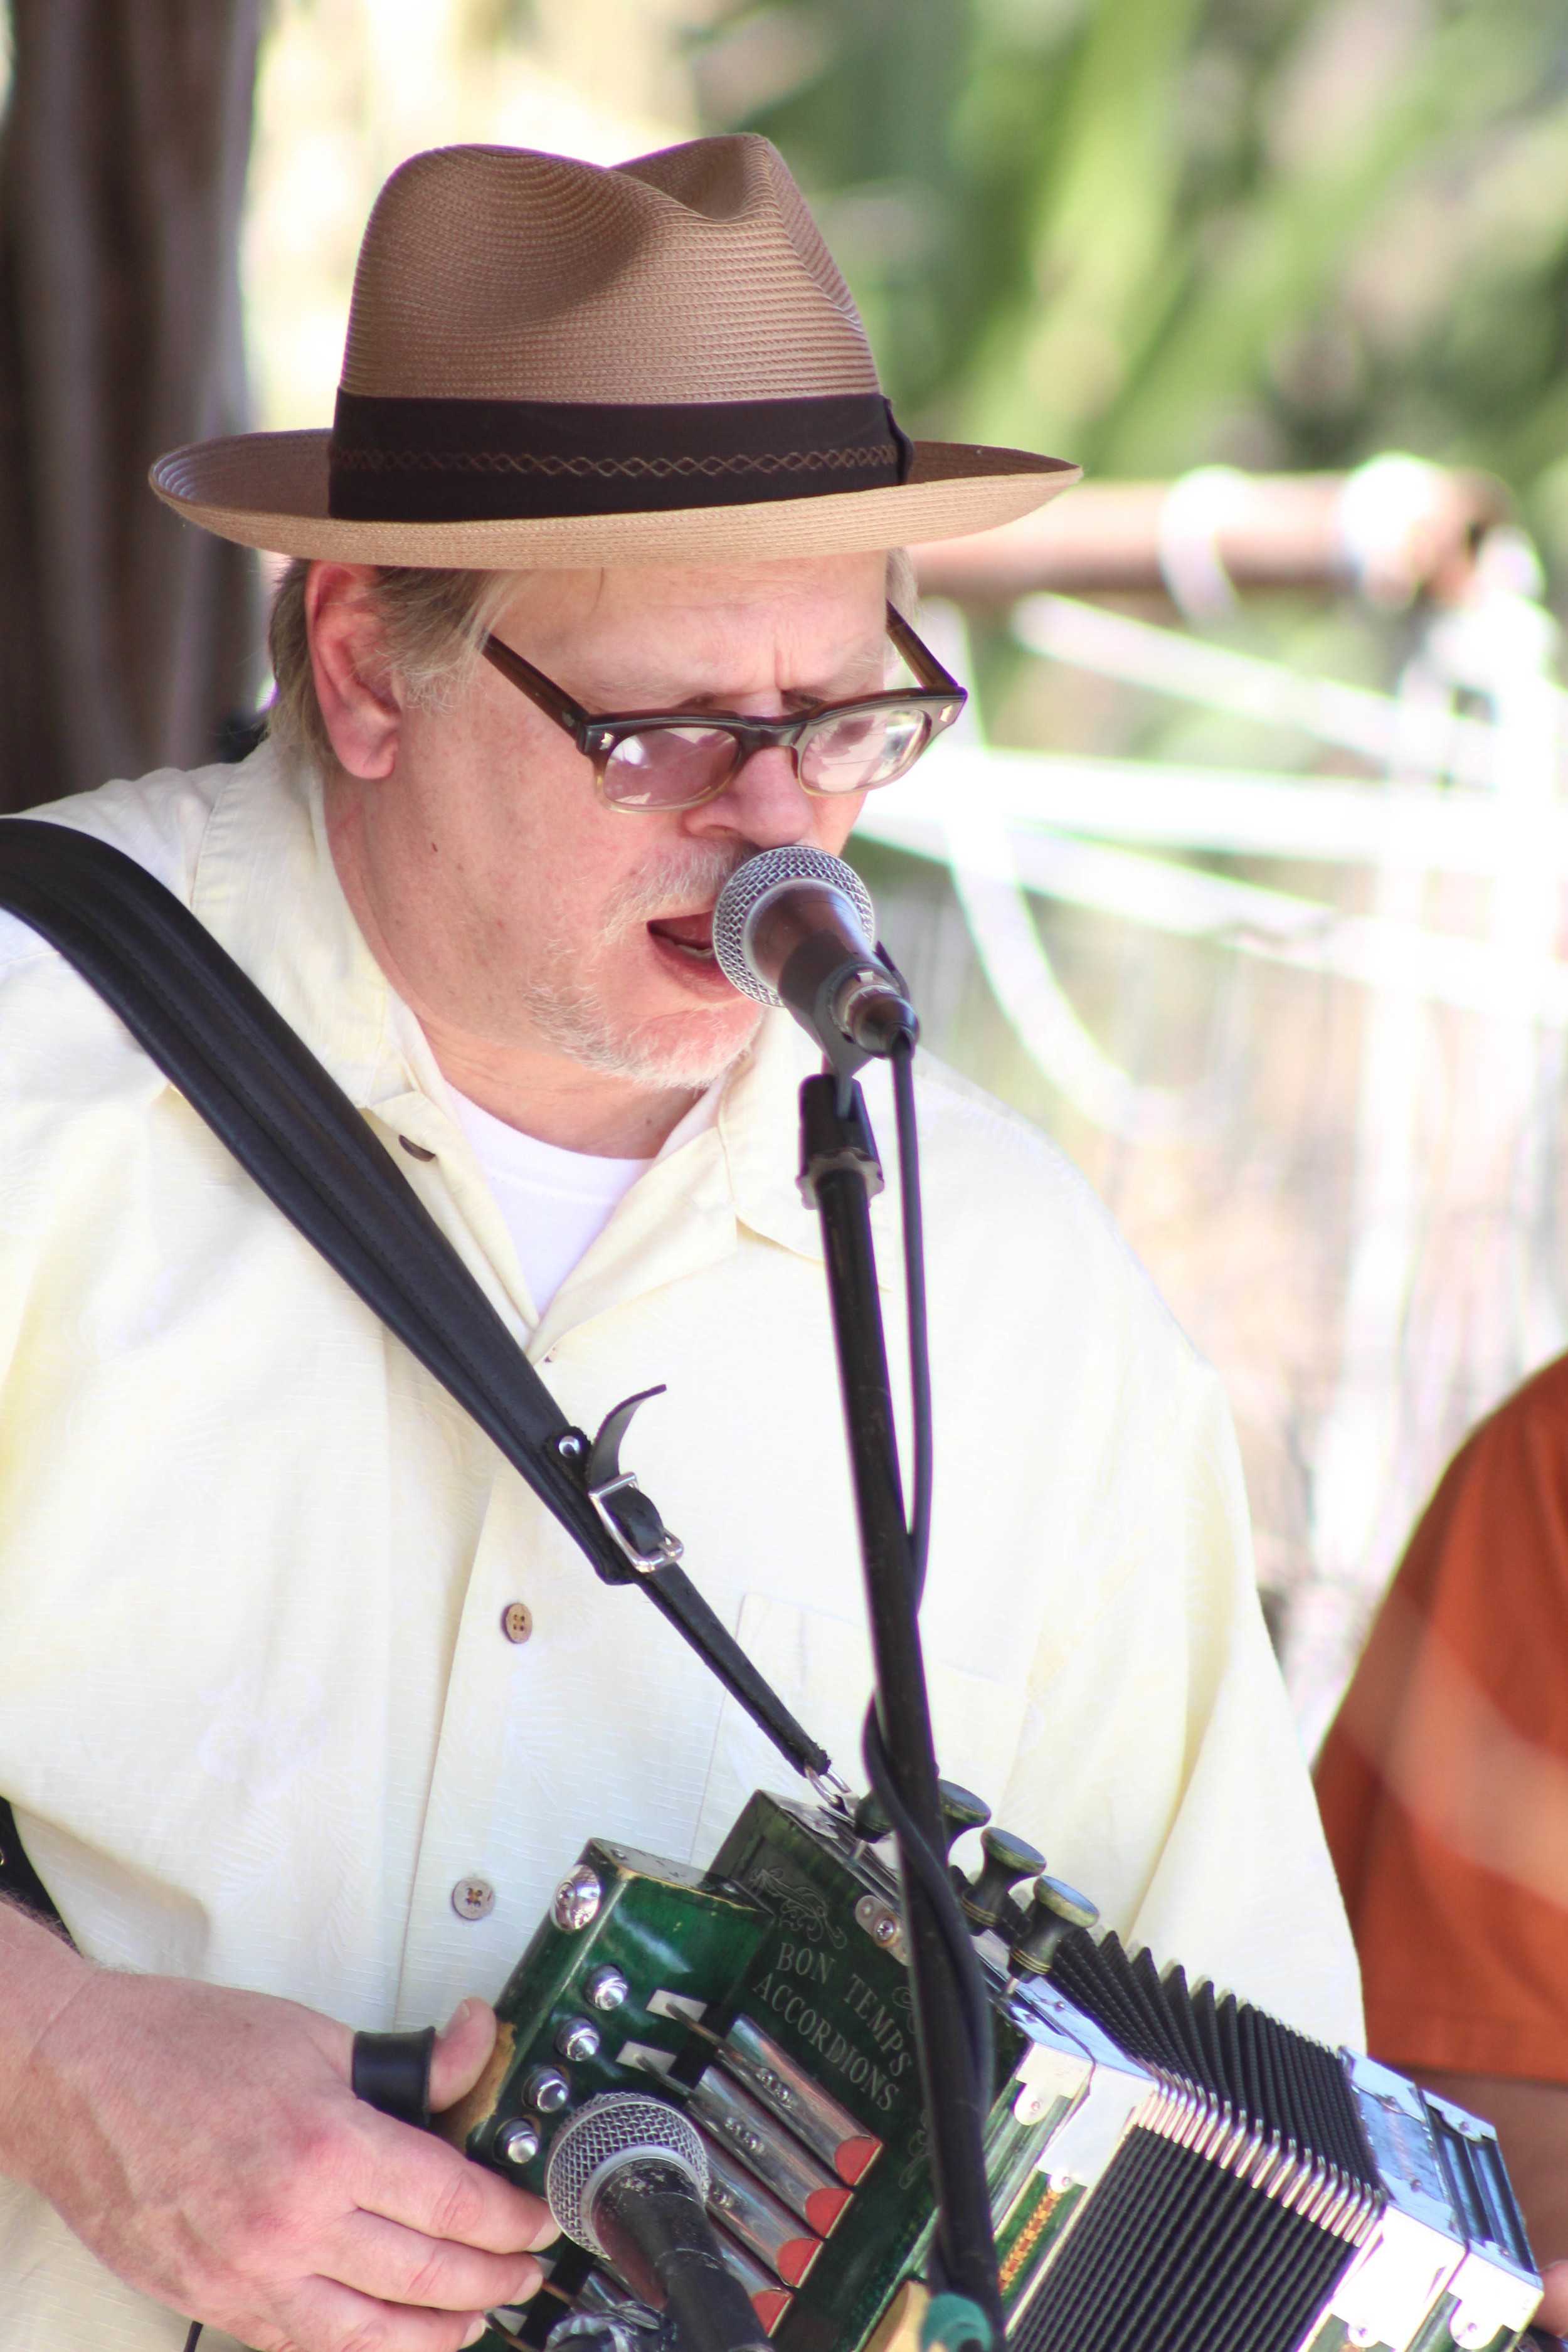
631,1516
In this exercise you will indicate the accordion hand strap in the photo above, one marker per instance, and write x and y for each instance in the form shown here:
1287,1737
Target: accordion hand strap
287,1121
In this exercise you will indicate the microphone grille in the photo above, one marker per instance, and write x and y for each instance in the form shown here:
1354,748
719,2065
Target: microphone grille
751,882
609,2132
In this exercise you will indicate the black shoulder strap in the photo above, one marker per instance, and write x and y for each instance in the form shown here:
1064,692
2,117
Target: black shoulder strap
18,1879
258,1086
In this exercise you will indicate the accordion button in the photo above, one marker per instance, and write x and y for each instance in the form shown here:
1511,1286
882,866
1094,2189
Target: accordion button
1055,1908
516,2142
961,1810
1007,1860
577,2038
606,1988
547,2091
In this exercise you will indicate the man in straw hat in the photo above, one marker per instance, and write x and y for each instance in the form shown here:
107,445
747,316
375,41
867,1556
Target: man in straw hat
305,1700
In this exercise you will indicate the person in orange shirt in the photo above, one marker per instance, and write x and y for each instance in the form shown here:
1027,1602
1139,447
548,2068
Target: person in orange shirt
1444,1790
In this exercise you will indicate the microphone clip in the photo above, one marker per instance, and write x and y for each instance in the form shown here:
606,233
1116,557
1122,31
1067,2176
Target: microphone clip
856,1007
834,1136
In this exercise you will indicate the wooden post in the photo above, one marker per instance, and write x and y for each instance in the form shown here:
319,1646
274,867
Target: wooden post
1308,532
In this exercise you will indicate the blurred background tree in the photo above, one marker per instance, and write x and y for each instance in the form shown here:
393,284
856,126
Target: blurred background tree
1156,234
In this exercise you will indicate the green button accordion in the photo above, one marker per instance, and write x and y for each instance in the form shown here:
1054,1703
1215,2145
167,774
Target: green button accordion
1171,2169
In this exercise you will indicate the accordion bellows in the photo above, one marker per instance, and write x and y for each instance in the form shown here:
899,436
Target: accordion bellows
1245,2191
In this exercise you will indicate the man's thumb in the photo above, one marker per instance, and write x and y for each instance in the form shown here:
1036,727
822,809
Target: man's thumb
462,2052
1553,2316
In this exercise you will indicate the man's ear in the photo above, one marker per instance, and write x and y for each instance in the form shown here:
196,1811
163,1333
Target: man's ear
355,685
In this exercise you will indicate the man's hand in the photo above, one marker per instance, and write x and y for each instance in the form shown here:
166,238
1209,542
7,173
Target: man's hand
205,2145
1553,2313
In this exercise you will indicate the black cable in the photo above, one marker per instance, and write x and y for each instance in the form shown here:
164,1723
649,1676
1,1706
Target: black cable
912,1219
919,1857
932,1871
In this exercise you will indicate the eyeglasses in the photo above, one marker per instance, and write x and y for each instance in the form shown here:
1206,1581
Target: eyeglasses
654,760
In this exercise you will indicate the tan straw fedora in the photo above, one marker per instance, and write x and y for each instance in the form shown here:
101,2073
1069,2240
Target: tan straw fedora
554,363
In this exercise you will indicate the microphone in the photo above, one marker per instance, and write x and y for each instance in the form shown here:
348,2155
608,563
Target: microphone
628,2179
795,927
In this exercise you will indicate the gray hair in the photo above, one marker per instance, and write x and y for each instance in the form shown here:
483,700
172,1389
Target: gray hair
433,627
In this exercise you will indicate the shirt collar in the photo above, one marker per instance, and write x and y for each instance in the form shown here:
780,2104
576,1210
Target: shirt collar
267,890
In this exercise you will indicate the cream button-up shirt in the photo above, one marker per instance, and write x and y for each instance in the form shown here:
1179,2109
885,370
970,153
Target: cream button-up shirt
258,1715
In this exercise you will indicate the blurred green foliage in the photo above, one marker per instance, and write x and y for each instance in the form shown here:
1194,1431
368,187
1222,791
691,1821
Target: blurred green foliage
1156,234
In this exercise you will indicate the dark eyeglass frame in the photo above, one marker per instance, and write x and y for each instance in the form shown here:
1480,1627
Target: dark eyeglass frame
598,734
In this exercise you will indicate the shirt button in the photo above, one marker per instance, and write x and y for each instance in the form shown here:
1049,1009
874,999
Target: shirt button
473,1898
517,1621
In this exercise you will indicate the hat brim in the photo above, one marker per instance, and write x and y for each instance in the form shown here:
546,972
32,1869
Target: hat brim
269,490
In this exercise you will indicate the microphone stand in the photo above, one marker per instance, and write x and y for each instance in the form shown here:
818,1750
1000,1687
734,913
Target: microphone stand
839,1176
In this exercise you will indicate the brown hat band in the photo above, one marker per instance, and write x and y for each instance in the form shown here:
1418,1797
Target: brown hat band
394,460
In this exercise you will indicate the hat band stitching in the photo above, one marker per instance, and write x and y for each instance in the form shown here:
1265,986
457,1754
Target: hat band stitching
427,459
506,461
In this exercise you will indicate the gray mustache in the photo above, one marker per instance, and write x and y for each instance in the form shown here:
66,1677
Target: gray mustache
673,884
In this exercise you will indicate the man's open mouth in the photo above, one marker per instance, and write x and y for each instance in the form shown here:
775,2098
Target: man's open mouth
691,934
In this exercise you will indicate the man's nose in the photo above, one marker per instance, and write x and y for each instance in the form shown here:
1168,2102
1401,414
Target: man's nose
762,803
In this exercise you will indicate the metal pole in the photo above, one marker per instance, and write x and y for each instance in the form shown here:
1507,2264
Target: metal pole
838,1165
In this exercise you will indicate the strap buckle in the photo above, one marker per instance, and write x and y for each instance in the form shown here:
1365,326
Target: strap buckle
631,1517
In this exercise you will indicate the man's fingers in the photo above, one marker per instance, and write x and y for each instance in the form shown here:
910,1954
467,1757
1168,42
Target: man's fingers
462,2052
325,2314
383,2259
409,2177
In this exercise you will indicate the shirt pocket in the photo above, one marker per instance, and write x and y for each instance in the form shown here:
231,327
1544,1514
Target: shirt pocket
820,1666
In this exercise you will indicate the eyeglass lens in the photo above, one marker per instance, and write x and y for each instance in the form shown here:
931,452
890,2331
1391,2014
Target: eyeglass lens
672,767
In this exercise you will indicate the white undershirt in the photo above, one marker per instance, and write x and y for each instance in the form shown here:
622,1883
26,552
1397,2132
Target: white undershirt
556,1203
